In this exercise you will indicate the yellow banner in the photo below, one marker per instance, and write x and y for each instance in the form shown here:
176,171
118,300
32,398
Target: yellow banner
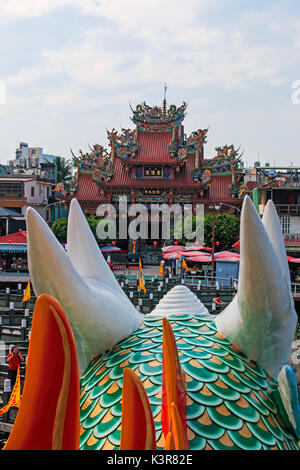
184,265
141,285
15,398
161,271
27,294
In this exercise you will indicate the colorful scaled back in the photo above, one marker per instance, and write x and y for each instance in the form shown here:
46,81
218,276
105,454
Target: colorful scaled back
230,401
240,392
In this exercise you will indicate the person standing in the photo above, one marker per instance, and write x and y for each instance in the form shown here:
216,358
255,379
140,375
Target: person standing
163,268
14,359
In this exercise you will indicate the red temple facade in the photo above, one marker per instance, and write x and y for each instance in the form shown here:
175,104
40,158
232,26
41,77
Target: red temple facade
156,162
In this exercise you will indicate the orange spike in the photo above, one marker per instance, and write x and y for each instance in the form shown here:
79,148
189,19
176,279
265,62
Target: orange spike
179,436
137,429
169,442
48,417
174,389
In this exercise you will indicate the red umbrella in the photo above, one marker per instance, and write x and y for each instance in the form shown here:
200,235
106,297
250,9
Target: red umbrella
105,249
168,249
194,248
226,255
198,248
172,255
293,260
192,253
200,259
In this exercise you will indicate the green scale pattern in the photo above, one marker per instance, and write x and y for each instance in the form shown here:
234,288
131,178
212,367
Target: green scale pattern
230,401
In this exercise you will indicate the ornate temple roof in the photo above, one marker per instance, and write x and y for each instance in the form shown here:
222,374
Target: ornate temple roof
156,154
87,189
154,147
158,118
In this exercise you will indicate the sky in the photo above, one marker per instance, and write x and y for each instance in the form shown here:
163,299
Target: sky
69,70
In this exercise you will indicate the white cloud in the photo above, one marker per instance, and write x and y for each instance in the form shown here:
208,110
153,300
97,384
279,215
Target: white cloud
29,8
155,41
134,46
194,56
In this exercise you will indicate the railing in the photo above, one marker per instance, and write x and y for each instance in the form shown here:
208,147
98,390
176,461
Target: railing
292,209
291,237
14,273
205,281
212,281
295,288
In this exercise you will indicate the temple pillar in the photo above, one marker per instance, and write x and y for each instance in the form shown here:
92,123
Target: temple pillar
181,135
173,134
132,197
197,156
112,155
263,197
136,133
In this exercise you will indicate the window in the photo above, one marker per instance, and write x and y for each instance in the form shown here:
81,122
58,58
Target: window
32,191
11,189
285,222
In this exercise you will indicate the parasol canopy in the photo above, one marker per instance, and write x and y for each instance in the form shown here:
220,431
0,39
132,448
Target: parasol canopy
110,248
172,255
226,255
167,249
293,260
200,259
194,248
193,253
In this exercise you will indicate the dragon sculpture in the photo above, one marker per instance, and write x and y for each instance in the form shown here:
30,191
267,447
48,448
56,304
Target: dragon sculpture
120,380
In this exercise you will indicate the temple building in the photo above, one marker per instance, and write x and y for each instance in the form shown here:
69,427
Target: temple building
156,162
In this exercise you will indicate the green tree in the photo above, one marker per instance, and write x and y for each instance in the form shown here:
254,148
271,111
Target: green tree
104,227
184,230
64,171
227,228
60,228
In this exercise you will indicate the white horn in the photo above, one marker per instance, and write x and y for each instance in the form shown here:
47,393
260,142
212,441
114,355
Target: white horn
272,226
84,252
98,314
261,320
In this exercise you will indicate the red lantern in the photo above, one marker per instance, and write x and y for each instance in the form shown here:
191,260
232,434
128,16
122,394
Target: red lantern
20,230
134,242
175,243
155,243
217,243
9,241
113,243
197,243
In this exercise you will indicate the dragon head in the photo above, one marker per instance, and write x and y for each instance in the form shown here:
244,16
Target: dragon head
239,391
